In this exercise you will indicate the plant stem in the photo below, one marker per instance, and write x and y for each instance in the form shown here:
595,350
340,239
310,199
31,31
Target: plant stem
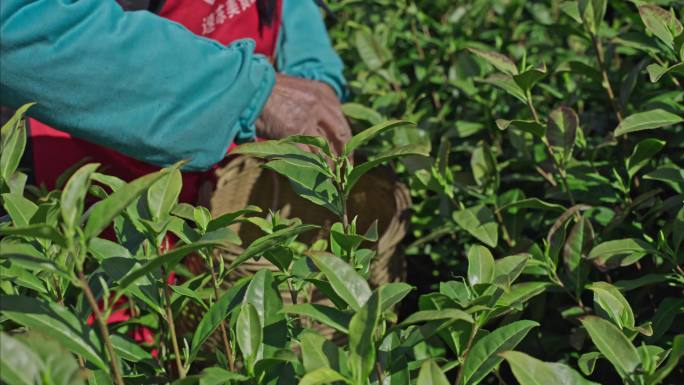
378,372
104,332
222,325
172,325
598,48
561,171
471,339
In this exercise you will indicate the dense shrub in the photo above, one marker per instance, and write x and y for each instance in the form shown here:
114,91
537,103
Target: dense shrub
548,221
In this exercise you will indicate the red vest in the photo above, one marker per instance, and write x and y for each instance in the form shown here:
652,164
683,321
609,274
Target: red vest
222,20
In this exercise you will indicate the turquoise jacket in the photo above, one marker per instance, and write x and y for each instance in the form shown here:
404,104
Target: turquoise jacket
102,74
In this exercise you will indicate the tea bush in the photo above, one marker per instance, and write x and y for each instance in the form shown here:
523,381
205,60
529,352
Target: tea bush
547,226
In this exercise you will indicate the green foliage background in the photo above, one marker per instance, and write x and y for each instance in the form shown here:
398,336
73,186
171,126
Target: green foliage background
547,235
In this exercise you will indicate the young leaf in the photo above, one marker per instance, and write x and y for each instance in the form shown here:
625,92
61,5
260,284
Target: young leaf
658,22
647,120
263,294
619,252
365,136
431,374
529,78
562,130
373,53
436,315
656,71
529,126
318,352
19,364
218,312
484,355
673,359
13,143
20,209
56,322
531,371
592,12
162,196
73,195
40,231
508,269
330,316
263,244
479,222
612,344
360,170
360,112
501,62
480,265
613,303
322,376
392,293
362,347
346,282
642,154
508,84
104,211
249,333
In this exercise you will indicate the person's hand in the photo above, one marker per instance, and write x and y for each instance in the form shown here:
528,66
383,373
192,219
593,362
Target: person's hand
303,107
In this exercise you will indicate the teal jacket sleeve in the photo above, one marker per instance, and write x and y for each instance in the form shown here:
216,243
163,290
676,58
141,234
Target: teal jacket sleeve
131,81
304,48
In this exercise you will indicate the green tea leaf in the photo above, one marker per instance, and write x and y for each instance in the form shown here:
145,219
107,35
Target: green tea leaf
484,355
479,222
40,231
346,282
480,265
529,126
658,22
163,194
318,352
373,53
365,136
322,376
103,212
20,209
647,120
264,295
613,303
392,293
360,170
330,316
612,344
672,362
248,332
531,371
362,347
508,269
436,315
73,195
642,154
267,242
217,313
431,374
508,84
13,142
56,322
19,364
619,252
527,79
360,112
499,61
562,131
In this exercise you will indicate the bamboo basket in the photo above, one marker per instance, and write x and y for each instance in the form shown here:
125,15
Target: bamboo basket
378,195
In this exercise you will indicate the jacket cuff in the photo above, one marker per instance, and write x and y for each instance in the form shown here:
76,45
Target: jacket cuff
263,76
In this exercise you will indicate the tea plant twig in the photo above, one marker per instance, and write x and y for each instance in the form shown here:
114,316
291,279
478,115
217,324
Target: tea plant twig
222,325
598,49
471,339
172,326
104,332
561,170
